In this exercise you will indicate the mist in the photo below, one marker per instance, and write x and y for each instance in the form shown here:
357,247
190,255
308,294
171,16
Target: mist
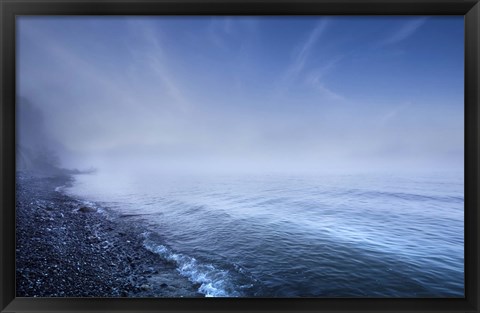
229,95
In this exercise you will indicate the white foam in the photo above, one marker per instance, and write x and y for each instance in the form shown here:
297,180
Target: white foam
214,282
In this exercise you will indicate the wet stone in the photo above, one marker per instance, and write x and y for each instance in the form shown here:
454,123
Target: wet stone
86,209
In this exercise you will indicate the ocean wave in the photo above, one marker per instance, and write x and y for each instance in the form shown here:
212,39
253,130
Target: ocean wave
412,196
214,282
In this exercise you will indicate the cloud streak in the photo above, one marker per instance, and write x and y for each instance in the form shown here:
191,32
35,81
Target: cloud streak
158,62
317,81
303,51
404,32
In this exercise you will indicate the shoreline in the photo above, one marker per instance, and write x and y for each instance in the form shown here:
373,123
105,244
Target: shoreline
68,248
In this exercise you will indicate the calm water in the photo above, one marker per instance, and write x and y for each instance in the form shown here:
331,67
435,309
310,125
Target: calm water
299,236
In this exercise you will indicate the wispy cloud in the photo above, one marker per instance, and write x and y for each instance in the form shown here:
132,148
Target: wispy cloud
299,67
317,81
393,113
403,32
303,51
236,38
327,92
227,33
155,54
300,57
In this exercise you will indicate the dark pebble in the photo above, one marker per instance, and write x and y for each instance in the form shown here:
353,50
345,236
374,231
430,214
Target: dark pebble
86,209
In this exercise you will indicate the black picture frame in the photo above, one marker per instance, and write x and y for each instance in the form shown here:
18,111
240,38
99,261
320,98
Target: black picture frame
470,9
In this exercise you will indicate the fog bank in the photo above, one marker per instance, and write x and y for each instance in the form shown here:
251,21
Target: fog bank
214,94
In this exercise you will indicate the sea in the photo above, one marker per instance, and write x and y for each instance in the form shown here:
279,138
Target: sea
374,235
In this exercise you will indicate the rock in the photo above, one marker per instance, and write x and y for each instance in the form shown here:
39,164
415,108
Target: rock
145,287
86,209
93,239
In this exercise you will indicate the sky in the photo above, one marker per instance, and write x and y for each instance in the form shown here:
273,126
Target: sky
246,93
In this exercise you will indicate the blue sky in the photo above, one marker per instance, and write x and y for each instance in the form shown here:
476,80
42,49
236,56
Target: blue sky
299,93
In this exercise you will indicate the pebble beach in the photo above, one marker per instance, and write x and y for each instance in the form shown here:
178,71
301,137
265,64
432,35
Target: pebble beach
68,248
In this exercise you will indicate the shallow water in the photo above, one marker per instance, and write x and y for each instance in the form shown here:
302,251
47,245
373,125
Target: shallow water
365,235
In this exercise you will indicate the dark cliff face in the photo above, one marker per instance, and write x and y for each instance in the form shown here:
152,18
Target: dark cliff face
35,151
36,162
34,148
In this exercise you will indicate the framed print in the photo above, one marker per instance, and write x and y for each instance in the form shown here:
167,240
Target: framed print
243,156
